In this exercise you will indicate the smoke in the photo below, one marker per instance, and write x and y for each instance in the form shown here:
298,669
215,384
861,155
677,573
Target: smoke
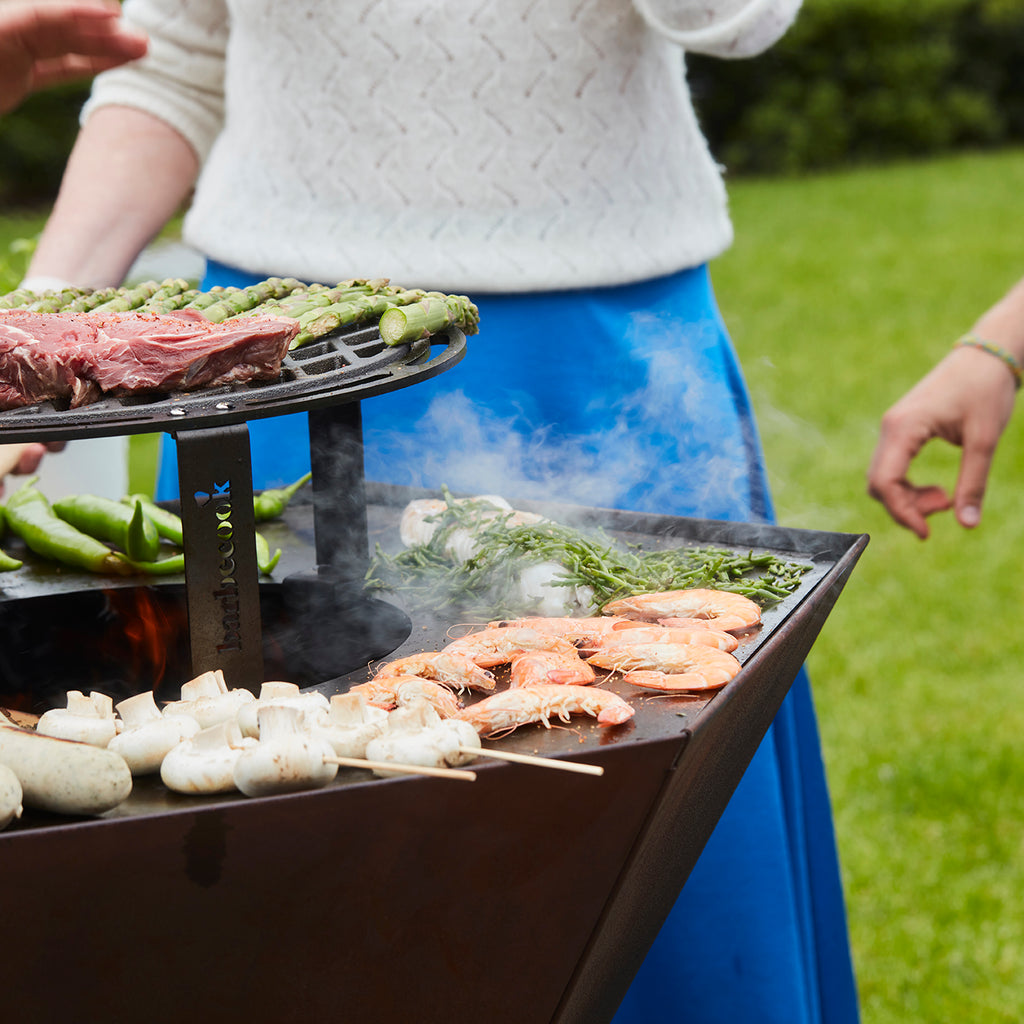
672,443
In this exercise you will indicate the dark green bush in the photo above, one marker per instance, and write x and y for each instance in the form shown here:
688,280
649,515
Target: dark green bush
859,81
853,81
35,141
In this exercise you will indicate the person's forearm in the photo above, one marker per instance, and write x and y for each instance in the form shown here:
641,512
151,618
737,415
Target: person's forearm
1003,323
127,176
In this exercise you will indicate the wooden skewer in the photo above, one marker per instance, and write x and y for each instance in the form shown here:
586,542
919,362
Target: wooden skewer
405,769
541,762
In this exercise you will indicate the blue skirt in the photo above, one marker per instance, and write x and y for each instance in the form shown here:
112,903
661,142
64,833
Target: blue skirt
632,397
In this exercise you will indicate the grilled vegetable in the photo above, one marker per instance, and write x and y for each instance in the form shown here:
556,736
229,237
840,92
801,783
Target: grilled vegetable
7,562
105,519
270,504
32,518
429,315
167,523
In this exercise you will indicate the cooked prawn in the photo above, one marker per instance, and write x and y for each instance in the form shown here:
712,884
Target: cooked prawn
719,609
505,711
669,666
543,667
448,667
569,628
389,692
646,634
498,646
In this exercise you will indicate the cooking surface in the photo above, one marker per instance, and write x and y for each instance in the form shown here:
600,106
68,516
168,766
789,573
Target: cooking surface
657,716
342,367
406,898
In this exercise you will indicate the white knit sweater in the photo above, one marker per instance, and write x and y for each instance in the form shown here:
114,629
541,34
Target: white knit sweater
469,145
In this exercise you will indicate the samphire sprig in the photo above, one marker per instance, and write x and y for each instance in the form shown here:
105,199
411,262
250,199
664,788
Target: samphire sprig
485,584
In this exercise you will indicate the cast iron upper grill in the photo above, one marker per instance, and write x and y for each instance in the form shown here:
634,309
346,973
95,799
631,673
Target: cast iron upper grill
343,367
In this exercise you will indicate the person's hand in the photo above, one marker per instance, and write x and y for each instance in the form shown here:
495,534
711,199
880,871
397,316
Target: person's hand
966,400
45,42
22,459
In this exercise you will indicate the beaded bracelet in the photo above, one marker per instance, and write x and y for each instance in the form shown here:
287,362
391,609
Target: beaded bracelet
973,341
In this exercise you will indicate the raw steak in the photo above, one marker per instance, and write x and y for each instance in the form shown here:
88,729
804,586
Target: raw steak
76,358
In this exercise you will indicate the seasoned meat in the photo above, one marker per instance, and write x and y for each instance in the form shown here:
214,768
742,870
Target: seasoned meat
76,358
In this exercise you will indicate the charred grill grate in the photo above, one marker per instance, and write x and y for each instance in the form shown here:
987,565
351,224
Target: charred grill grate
342,367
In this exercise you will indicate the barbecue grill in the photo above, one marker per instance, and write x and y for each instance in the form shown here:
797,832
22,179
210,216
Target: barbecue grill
381,899
327,379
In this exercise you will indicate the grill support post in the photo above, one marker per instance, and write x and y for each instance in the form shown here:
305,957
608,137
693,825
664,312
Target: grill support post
339,490
221,572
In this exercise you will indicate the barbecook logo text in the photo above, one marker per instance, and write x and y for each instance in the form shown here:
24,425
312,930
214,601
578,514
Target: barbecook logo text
227,592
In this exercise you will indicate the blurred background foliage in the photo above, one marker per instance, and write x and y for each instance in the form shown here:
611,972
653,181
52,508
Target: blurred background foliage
866,81
852,82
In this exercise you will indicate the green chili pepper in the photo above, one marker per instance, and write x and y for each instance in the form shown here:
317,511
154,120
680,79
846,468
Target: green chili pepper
176,563
106,519
271,504
167,523
32,518
170,566
8,563
264,560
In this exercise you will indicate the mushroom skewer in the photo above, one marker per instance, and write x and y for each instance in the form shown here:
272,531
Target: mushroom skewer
402,769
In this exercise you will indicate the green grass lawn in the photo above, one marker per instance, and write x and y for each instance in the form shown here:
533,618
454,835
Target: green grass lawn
840,291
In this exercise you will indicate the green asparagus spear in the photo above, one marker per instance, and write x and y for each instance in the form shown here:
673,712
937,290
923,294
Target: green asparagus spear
429,315
18,299
128,298
248,298
91,300
361,309
54,302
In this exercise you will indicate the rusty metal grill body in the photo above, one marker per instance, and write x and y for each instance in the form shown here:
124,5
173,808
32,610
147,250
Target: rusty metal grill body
528,895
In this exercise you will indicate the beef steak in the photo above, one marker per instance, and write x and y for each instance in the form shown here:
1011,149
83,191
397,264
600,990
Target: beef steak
75,358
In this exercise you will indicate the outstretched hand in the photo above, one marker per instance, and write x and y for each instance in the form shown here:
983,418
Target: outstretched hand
966,400
23,459
45,42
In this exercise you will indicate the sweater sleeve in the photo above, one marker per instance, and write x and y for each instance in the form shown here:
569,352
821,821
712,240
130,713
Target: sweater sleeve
181,79
720,28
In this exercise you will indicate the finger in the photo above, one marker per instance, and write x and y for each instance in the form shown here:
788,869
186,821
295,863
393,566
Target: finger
911,506
66,69
51,31
10,456
972,480
30,459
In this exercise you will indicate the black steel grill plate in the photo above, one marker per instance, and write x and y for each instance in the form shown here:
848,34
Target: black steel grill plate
342,367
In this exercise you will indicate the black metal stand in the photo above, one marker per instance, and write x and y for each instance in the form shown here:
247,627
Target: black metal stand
221,571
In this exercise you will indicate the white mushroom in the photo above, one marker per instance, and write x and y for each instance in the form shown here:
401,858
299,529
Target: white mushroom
208,700
416,734
350,723
85,719
279,694
287,757
459,740
206,762
148,735
410,738
10,796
